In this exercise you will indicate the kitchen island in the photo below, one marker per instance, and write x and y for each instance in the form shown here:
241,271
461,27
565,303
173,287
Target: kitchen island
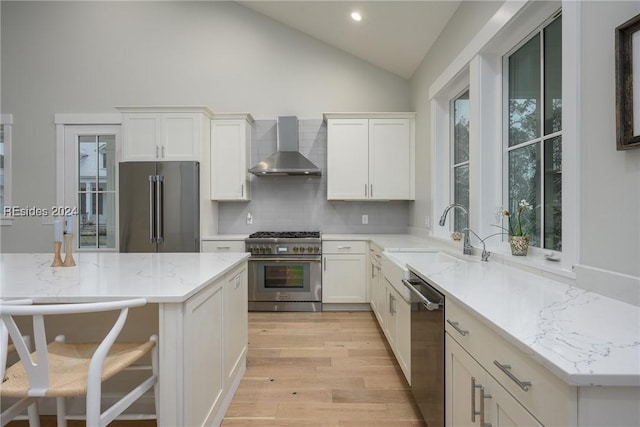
198,304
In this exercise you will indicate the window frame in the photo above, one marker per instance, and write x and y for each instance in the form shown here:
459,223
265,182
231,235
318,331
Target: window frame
541,139
6,120
481,60
452,160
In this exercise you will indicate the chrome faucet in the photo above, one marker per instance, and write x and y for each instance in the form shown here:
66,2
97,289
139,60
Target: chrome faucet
485,254
466,245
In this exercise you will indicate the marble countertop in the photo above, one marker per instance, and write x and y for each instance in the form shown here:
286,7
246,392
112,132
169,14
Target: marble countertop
582,337
158,277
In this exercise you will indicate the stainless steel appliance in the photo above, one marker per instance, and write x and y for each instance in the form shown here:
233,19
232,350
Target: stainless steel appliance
427,349
285,271
159,207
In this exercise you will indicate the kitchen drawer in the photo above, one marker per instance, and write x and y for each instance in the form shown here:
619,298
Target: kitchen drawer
223,246
344,247
547,398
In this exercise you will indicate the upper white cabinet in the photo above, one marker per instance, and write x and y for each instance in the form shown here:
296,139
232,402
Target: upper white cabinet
230,156
164,133
370,156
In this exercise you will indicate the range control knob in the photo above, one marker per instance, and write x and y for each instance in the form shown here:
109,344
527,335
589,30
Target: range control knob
309,249
269,250
316,249
295,249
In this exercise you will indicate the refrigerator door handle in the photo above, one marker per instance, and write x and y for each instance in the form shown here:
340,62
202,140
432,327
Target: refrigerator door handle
159,206
152,192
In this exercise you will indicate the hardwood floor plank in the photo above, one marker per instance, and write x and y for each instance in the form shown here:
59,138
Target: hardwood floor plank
339,366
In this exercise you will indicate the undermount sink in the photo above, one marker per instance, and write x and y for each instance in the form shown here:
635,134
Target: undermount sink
394,265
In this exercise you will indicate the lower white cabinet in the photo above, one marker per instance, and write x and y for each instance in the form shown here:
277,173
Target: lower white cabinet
222,246
235,321
475,398
396,325
376,284
343,272
215,347
203,355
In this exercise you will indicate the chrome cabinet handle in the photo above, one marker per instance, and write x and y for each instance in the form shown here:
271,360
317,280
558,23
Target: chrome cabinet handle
366,194
373,269
223,247
456,326
371,190
483,396
157,151
344,247
507,370
324,263
162,150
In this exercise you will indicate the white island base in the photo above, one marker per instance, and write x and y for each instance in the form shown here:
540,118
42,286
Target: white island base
200,301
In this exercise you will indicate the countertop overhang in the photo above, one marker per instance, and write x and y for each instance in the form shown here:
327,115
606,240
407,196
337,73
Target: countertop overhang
158,277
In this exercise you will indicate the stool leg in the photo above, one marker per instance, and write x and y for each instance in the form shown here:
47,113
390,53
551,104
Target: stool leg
61,411
34,417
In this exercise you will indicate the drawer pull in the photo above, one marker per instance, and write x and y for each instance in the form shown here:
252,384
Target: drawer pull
223,247
507,370
456,326
344,247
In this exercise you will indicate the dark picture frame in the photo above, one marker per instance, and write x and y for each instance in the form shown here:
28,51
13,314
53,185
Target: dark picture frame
627,121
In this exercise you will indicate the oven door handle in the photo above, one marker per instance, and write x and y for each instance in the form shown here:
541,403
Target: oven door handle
286,259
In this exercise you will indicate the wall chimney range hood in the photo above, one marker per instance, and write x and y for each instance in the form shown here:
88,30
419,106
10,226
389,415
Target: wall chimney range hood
287,160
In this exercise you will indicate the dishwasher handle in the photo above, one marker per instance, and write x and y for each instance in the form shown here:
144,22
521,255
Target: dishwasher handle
429,305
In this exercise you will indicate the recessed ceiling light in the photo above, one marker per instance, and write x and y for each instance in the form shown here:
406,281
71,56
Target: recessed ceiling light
356,16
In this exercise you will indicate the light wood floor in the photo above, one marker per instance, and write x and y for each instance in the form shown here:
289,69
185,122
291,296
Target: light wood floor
314,370
320,370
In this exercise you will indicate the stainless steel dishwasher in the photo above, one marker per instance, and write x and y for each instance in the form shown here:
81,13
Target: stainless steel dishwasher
427,349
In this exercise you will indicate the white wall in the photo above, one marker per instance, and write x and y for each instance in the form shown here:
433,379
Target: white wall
463,26
86,57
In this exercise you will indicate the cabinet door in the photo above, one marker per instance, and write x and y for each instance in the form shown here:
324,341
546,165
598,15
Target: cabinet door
461,373
403,336
180,136
505,410
344,279
140,136
390,313
348,159
229,160
236,322
390,159
204,379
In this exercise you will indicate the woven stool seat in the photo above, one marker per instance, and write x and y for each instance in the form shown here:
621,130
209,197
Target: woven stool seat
69,366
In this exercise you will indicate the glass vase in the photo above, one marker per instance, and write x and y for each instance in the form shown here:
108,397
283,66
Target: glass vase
519,245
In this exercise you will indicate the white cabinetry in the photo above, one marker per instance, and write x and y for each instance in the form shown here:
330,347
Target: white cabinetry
164,133
222,246
376,283
235,321
397,324
230,156
522,391
214,337
343,272
370,156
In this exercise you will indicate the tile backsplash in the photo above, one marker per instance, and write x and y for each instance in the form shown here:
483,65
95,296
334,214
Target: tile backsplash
281,203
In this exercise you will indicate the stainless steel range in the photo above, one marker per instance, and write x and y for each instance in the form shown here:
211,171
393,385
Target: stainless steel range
285,271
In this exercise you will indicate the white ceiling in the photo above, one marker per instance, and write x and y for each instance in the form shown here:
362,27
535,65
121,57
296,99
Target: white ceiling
394,35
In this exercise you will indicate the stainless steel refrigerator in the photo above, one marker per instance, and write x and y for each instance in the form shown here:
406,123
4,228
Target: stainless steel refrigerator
159,207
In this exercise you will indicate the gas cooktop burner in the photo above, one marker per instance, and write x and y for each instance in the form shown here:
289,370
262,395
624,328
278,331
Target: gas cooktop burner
285,235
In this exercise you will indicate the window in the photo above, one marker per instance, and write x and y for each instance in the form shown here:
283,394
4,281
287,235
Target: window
96,190
533,137
460,156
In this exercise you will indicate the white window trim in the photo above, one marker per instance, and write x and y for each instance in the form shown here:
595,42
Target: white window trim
7,121
482,57
66,172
